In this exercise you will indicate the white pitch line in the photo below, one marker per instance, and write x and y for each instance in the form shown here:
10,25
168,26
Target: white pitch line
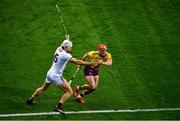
91,111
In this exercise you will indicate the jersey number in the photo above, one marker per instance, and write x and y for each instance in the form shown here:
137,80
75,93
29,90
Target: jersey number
55,58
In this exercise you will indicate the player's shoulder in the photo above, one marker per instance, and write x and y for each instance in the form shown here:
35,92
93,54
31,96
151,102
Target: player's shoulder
66,55
93,52
59,49
108,54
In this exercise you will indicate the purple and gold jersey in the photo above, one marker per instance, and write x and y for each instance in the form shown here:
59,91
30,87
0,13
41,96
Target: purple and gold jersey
94,56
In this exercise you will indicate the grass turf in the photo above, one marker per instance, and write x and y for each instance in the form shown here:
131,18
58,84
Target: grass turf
142,36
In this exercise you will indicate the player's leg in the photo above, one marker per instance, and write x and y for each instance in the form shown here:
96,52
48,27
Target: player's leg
96,79
88,71
37,92
92,86
67,89
91,83
40,89
81,87
84,87
65,86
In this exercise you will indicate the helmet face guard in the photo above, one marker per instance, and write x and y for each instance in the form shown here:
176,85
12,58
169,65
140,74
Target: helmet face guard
102,49
67,44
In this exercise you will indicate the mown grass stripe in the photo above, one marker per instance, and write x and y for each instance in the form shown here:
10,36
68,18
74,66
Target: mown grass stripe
91,111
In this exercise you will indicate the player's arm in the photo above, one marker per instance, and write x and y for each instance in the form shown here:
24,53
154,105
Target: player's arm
85,56
81,62
108,62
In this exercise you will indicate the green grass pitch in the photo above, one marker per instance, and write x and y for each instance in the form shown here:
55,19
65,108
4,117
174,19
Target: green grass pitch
142,36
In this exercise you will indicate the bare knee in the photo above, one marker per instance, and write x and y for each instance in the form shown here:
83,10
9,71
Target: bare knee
92,87
42,88
69,93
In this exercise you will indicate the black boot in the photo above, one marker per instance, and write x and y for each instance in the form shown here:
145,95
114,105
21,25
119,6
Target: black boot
58,108
30,101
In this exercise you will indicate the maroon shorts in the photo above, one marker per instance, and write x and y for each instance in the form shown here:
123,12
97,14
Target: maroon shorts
89,71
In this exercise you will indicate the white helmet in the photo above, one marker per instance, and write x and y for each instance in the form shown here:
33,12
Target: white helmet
67,43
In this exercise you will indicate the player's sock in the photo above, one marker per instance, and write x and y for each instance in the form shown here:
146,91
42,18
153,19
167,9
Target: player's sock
59,105
80,87
86,92
30,100
32,97
76,91
81,95
58,108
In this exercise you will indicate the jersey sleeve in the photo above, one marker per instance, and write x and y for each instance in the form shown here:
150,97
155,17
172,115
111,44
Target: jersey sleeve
90,54
109,56
67,56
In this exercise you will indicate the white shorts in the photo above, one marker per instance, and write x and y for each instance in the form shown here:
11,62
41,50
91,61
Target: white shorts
56,78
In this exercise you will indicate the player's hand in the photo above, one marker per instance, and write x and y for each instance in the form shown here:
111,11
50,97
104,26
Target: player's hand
67,37
100,62
79,66
94,63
